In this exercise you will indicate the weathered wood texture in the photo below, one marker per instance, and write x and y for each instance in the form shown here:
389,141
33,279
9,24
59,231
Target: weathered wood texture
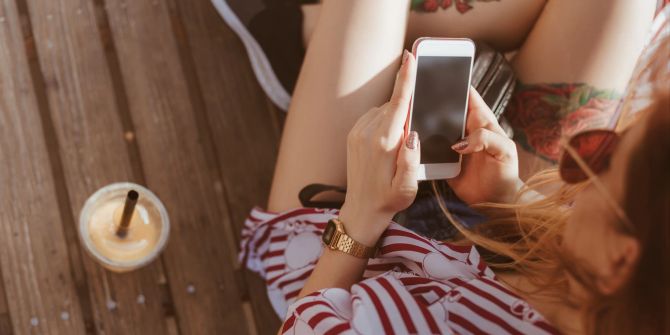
245,166
86,119
5,319
158,92
178,166
40,291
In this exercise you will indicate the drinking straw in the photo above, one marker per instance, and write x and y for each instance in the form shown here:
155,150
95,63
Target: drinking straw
128,208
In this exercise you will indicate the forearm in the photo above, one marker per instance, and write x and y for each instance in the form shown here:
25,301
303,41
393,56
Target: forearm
334,269
338,269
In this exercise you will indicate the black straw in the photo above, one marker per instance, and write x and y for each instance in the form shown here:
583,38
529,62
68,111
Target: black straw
128,209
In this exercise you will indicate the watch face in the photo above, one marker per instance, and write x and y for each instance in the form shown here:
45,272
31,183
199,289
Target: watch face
329,232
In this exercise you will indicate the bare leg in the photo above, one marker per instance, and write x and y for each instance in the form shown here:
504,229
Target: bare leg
566,42
595,42
349,67
588,50
502,24
310,15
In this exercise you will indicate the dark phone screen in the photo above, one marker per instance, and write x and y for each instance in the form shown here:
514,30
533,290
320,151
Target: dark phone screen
439,105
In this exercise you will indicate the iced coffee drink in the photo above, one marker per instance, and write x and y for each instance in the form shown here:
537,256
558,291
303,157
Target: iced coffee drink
123,226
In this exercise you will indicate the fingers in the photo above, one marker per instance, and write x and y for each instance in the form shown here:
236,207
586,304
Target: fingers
480,115
365,120
402,93
407,166
497,145
404,84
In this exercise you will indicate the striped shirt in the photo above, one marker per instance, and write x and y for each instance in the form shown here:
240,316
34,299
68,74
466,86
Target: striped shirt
414,286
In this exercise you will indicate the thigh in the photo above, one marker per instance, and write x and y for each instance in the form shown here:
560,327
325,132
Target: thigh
349,68
573,65
502,24
595,42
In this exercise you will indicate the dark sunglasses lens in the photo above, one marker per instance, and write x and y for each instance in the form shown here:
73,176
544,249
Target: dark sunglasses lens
595,149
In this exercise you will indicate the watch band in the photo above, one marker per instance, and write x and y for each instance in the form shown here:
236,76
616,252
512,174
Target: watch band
336,238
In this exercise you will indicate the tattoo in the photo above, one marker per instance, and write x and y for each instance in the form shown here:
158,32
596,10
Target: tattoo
543,113
432,5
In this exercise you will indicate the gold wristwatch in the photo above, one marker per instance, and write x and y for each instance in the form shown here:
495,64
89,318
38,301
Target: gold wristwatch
335,238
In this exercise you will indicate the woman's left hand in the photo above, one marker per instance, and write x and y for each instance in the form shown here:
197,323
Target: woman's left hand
382,163
490,166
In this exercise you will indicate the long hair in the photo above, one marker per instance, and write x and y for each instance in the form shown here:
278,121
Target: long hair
526,237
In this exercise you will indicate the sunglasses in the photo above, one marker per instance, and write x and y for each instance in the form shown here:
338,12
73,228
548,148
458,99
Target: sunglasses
585,156
589,151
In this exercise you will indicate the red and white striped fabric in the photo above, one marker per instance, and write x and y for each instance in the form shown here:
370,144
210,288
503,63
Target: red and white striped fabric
415,285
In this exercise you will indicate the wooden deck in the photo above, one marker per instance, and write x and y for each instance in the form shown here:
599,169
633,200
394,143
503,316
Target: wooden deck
157,92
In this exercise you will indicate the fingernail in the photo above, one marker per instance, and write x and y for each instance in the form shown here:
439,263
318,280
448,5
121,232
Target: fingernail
460,145
412,140
405,55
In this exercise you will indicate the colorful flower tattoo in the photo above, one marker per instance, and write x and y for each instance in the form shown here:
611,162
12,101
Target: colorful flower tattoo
543,113
432,5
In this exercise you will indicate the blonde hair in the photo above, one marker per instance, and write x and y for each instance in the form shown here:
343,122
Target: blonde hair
526,237
523,237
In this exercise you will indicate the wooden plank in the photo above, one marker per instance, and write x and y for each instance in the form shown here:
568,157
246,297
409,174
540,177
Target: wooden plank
36,274
5,319
241,121
90,139
199,261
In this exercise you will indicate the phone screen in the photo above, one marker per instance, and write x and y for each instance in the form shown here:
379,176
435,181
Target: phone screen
439,103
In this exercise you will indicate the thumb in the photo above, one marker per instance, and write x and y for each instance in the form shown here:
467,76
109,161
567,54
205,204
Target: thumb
498,146
407,166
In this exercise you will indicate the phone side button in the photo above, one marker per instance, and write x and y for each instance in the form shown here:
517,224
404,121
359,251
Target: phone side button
421,174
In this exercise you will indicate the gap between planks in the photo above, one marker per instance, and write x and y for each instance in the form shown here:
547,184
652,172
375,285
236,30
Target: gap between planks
221,57
135,158
69,227
195,94
177,102
51,142
6,327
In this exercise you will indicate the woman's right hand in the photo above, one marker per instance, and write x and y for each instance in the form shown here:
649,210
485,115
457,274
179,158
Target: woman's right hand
490,165
382,163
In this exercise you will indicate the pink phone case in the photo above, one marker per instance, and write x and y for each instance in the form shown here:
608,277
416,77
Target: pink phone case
414,47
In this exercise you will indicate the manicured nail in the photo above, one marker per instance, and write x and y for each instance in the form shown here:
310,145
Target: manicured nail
412,140
405,55
460,145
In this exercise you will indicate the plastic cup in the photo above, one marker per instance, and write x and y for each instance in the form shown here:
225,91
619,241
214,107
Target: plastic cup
147,234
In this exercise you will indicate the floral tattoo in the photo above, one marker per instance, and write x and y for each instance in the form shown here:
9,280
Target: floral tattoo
543,113
432,5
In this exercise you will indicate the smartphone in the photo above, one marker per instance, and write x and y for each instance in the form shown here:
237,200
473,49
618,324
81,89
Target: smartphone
439,104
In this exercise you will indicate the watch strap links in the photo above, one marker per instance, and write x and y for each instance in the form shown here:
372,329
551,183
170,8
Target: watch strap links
344,243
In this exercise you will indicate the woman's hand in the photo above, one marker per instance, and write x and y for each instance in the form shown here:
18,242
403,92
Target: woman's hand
382,163
382,168
490,166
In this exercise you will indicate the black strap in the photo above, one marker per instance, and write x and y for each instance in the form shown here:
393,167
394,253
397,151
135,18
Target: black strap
310,191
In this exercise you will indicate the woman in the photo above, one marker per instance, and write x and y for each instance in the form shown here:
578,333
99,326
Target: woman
598,265
563,52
